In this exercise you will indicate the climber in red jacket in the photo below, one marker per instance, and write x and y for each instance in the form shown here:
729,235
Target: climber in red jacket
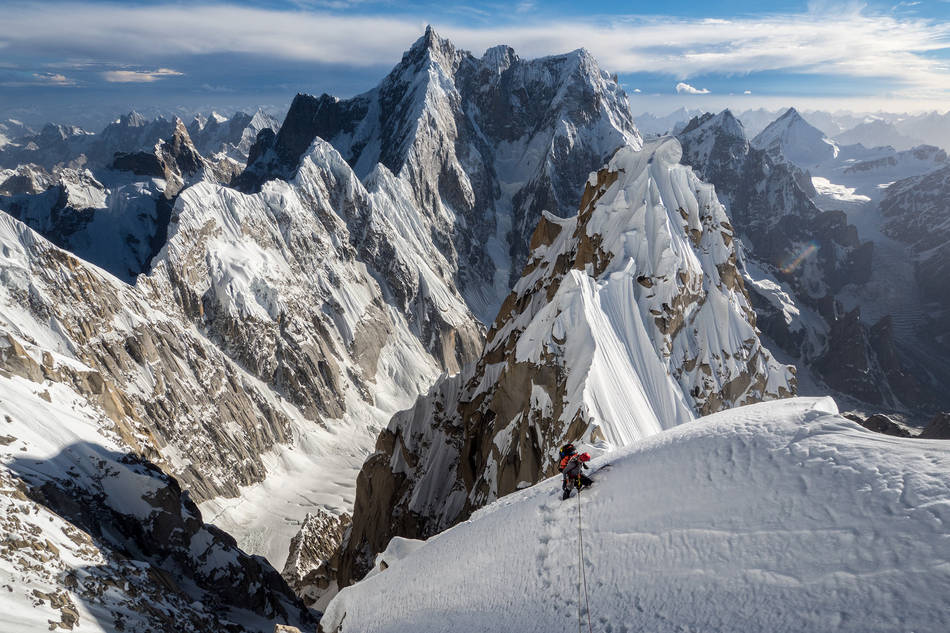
572,466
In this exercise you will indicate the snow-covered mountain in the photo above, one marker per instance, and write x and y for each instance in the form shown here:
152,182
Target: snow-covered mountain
57,146
275,331
52,145
754,121
934,127
119,222
875,133
98,383
12,129
214,134
779,516
650,124
25,179
792,138
478,158
858,284
629,318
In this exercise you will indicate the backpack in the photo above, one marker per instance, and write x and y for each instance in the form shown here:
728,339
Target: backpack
566,451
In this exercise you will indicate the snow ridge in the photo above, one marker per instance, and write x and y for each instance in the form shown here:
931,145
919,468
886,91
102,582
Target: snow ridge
779,516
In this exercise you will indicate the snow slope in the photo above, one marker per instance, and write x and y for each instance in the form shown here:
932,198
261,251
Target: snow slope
778,516
95,538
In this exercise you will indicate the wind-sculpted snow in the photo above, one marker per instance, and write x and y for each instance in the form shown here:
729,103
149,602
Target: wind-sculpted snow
779,516
274,331
629,318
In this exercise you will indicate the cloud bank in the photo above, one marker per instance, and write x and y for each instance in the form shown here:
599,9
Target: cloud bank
138,76
835,42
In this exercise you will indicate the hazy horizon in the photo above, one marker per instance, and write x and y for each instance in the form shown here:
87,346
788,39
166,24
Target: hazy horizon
94,60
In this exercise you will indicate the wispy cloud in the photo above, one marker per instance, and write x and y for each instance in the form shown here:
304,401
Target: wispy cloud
40,79
685,88
139,76
827,39
53,79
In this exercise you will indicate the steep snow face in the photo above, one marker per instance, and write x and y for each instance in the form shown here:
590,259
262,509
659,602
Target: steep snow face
479,160
629,318
792,138
779,516
261,272
331,297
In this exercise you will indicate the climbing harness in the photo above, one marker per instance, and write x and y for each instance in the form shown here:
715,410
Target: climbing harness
582,576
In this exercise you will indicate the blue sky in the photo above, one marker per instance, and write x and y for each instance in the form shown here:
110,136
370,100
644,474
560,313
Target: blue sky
60,60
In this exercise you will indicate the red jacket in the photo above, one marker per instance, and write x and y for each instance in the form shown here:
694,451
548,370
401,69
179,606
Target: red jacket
571,464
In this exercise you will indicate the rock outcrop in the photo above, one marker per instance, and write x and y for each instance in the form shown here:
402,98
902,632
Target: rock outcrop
938,428
311,569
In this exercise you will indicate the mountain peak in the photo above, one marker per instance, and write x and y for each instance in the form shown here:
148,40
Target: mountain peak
499,57
432,43
132,119
724,123
790,137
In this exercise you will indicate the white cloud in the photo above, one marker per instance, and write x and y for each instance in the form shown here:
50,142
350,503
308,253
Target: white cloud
138,76
827,40
747,92
53,79
685,88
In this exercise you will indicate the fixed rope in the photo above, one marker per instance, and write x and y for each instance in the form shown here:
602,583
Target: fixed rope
582,576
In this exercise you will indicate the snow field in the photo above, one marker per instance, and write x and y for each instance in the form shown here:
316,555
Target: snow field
780,516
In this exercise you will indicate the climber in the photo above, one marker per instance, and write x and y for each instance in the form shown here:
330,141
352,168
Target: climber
572,466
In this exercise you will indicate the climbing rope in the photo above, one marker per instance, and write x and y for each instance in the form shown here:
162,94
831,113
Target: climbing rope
583,571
